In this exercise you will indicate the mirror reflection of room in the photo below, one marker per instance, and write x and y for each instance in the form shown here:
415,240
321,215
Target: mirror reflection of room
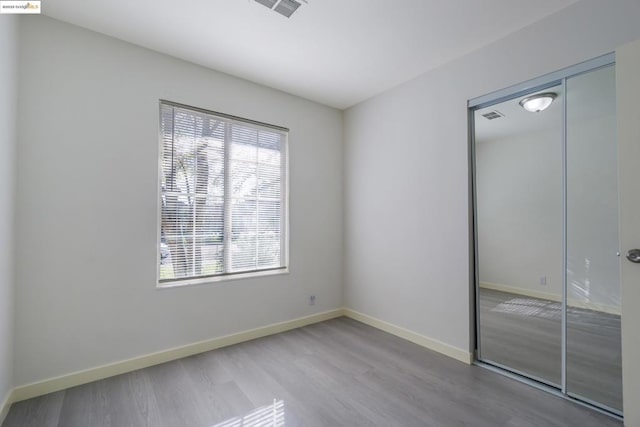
524,188
519,216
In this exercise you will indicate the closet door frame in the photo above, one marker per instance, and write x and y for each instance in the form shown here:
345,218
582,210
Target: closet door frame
540,83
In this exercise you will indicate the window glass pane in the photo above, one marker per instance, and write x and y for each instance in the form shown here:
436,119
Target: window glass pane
215,163
244,143
221,184
243,179
269,181
177,226
269,144
210,231
243,235
269,233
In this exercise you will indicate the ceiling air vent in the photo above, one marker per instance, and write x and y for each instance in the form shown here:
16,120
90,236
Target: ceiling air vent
495,114
283,7
268,3
287,7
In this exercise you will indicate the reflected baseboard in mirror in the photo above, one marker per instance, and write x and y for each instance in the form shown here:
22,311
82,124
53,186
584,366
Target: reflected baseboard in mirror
571,302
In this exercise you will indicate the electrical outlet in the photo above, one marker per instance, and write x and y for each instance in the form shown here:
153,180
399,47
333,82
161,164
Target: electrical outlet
543,280
312,300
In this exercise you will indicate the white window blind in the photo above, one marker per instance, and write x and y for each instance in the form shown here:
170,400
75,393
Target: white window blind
223,195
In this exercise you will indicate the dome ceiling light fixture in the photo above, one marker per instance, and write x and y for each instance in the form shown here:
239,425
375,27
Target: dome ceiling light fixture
538,102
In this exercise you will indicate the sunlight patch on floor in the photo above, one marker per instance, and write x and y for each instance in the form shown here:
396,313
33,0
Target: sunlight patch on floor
265,416
529,307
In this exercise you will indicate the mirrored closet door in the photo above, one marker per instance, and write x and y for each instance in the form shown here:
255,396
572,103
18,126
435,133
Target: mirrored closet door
593,357
546,233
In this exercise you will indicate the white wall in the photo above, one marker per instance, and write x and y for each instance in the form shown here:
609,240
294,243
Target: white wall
87,204
8,100
406,195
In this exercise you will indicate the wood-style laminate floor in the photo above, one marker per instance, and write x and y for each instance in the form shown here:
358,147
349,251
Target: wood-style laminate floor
335,373
524,333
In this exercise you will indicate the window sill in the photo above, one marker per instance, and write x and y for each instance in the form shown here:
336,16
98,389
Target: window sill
207,280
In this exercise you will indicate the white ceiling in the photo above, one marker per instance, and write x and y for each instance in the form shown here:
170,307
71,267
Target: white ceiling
334,52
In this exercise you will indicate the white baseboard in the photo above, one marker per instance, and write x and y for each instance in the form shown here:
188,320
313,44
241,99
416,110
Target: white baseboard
5,405
421,340
572,302
521,291
93,374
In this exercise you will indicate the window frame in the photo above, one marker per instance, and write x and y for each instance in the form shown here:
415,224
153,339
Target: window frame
284,239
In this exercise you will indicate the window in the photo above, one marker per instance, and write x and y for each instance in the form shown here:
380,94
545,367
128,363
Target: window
223,185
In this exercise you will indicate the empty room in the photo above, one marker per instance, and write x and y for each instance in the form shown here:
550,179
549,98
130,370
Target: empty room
319,213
